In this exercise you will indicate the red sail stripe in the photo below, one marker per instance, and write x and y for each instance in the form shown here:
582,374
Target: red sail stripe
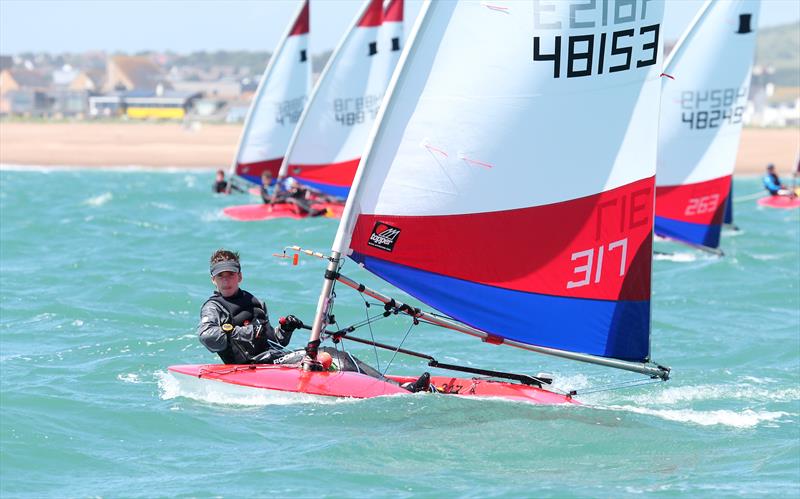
373,16
256,168
302,23
394,12
540,249
340,174
699,203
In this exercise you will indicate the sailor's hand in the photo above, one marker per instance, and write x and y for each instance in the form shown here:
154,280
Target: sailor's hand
290,323
258,326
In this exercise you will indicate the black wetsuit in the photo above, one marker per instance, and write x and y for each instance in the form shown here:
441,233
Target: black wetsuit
252,340
220,186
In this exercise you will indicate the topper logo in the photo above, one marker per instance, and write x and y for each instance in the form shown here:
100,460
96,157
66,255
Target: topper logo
383,236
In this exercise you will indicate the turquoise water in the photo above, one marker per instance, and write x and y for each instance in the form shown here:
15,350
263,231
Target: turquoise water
103,275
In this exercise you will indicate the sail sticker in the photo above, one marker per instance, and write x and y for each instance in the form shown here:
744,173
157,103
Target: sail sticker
744,24
383,236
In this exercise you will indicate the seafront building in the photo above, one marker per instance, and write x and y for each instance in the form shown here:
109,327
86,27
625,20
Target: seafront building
159,86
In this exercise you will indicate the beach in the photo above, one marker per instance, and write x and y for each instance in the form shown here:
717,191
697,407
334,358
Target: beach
122,144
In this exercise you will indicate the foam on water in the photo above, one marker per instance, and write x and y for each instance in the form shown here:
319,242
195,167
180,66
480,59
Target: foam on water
747,418
100,199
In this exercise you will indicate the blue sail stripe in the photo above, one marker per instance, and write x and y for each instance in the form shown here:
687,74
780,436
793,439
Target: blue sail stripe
702,234
331,190
616,329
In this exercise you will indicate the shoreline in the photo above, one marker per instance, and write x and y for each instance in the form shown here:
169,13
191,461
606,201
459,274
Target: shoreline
172,146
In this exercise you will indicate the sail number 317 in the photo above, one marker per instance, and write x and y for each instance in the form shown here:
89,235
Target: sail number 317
592,260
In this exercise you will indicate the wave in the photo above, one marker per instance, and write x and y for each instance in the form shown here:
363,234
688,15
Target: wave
747,418
171,387
100,199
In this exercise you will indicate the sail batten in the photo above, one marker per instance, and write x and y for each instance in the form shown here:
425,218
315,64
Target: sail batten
510,185
702,110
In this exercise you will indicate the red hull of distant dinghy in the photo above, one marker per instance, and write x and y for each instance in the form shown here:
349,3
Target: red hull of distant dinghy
261,211
783,202
345,384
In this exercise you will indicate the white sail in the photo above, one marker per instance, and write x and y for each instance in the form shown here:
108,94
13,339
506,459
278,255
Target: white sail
510,181
327,144
703,102
278,102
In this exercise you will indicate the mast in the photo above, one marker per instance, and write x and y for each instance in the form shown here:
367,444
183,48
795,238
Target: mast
341,240
304,6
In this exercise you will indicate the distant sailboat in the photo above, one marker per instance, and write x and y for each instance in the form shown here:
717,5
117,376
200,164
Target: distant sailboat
510,185
703,100
328,142
277,104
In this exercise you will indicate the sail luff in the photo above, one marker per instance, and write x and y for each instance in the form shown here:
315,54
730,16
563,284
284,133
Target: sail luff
690,31
328,70
263,83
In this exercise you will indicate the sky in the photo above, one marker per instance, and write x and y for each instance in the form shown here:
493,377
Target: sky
184,26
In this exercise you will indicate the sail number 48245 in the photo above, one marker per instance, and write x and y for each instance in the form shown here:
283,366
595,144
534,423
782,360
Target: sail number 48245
593,263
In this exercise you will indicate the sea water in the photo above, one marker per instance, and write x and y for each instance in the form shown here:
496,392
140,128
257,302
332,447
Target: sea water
103,275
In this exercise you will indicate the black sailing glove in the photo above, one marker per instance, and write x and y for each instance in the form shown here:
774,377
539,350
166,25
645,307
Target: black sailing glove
290,323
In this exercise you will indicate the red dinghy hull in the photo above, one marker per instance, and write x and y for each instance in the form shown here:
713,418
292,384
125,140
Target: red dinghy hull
262,211
783,202
345,384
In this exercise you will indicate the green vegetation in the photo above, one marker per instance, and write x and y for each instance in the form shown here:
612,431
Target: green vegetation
779,47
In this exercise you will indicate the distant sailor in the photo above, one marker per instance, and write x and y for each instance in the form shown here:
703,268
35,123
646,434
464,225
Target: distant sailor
292,192
222,186
773,183
234,323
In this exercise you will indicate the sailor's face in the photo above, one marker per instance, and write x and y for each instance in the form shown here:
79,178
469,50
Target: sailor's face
227,283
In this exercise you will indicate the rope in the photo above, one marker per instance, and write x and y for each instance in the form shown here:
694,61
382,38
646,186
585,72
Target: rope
618,386
371,335
398,348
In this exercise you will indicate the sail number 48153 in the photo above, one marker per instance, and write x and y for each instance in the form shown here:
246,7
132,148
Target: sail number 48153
592,262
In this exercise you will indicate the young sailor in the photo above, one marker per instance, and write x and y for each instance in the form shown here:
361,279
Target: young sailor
773,183
234,323
222,186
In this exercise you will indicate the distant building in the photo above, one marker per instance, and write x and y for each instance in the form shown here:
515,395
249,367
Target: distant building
224,89
91,80
133,73
142,105
168,105
23,91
